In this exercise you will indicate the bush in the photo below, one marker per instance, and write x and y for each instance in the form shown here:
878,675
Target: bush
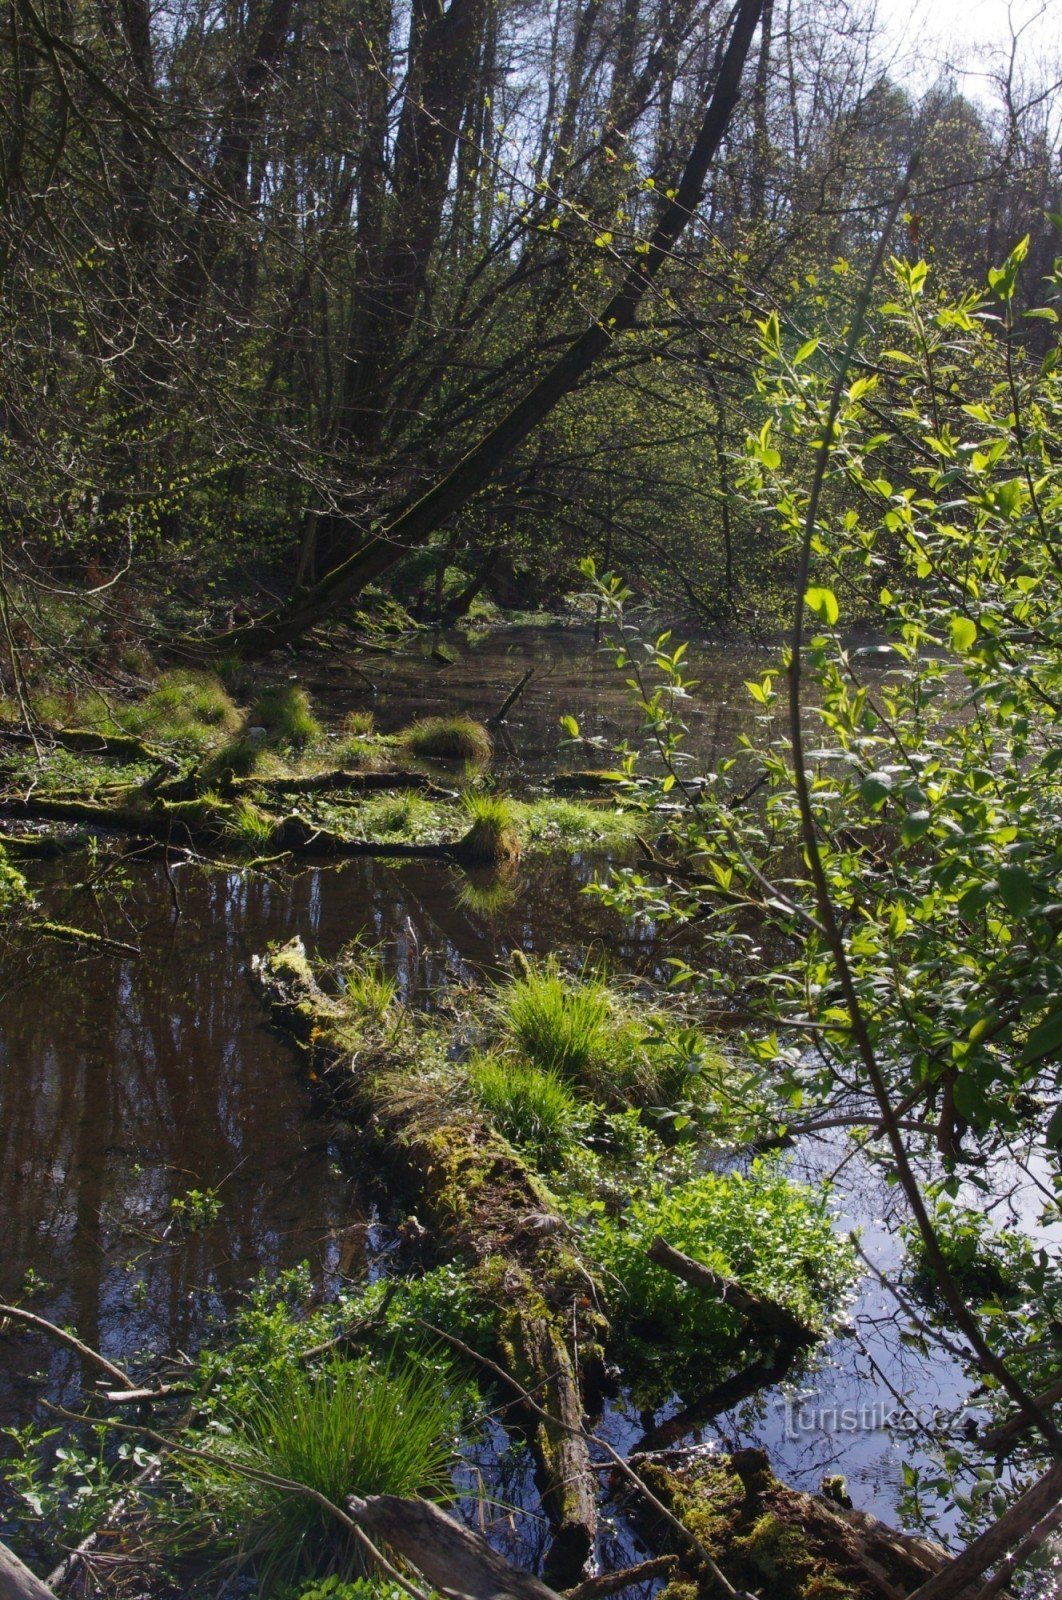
348,1429
773,1235
534,1109
454,738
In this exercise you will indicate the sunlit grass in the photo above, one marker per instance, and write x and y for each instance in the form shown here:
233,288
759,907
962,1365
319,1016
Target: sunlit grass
192,706
347,1429
287,715
494,833
534,1109
455,738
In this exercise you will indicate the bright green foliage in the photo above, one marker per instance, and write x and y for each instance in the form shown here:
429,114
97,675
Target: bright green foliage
563,1025
534,1108
367,989
287,715
192,706
454,738
349,1428
773,1235
992,1266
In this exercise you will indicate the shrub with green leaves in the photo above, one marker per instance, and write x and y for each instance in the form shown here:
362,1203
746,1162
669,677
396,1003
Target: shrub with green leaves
773,1235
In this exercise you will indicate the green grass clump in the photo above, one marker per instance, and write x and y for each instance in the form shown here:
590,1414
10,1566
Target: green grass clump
367,989
575,824
251,827
562,1025
454,738
287,715
773,1235
493,835
406,815
534,1109
359,724
349,1428
360,753
192,706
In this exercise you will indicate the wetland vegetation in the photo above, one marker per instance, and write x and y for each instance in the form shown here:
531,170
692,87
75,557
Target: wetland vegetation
530,806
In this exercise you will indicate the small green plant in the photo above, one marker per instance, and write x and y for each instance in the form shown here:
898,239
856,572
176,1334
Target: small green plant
534,1108
408,815
493,835
366,988
252,827
561,1024
359,724
455,738
774,1236
286,713
196,1209
349,1428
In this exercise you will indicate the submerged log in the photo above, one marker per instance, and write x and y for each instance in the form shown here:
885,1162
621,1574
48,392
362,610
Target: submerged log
487,1207
773,1540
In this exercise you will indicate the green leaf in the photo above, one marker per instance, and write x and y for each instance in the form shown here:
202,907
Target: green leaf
963,634
824,604
1045,1041
1016,889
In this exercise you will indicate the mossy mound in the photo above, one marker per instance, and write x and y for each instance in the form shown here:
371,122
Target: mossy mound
772,1540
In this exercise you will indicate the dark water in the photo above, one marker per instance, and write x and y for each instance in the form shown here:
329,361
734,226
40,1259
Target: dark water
125,1084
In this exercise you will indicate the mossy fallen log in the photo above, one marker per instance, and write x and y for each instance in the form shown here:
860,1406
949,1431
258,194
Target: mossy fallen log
209,823
774,1540
484,1206
123,747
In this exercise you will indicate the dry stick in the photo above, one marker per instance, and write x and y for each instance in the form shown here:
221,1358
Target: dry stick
510,700
70,1339
1036,1503
617,1460
986,1356
607,1583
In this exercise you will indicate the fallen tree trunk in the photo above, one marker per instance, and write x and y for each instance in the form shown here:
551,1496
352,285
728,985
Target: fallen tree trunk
17,1582
992,1545
487,1208
450,1556
769,1539
767,1316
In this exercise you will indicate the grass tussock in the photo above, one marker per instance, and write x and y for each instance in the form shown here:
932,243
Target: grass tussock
191,706
359,724
407,816
349,1428
562,1025
534,1109
368,991
287,715
494,834
455,738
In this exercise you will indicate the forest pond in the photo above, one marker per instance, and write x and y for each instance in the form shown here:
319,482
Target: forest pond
161,1148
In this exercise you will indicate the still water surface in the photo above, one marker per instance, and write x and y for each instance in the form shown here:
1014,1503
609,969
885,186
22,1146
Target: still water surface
126,1084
